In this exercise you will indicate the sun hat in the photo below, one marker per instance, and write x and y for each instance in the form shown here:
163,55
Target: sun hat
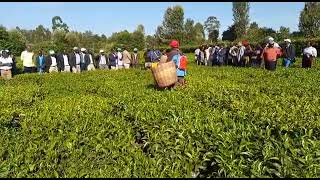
135,49
51,52
287,40
119,49
83,49
174,44
75,48
101,51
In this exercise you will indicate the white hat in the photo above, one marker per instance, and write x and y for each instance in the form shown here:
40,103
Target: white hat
101,51
75,48
270,39
83,49
51,52
135,49
287,40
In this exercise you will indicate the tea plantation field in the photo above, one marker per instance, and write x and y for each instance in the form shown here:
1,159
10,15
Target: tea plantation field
227,122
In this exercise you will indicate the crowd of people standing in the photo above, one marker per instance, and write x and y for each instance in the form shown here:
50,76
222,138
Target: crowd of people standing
77,61
241,54
244,54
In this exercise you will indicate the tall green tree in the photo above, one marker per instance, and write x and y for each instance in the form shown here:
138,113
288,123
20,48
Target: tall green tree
57,23
199,33
141,29
173,23
189,29
284,33
138,38
309,21
212,26
4,35
17,42
241,18
229,34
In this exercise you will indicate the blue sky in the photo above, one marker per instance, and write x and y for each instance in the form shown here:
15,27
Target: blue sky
108,17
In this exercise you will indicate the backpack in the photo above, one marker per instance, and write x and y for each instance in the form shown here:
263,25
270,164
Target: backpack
183,61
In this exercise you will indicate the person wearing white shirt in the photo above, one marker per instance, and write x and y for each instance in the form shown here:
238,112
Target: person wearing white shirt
119,59
51,62
240,54
233,53
207,51
196,54
66,62
309,55
91,65
6,65
102,60
270,41
27,59
83,60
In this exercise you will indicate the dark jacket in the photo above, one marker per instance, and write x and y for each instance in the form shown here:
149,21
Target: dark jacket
48,62
60,62
146,57
289,52
112,59
87,59
98,59
72,59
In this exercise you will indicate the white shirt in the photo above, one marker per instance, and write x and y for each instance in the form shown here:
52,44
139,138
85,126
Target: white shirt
77,59
103,60
197,51
240,52
120,58
54,61
233,51
7,60
27,59
208,52
310,51
65,60
91,61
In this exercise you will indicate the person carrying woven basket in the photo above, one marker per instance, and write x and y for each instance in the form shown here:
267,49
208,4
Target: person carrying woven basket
175,56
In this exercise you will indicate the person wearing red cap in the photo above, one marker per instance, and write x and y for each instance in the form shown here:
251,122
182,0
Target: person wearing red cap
174,56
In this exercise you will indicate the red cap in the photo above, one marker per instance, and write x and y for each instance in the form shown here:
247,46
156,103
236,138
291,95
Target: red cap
245,42
174,44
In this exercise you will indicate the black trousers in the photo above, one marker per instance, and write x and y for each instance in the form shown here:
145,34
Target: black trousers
270,65
306,62
29,69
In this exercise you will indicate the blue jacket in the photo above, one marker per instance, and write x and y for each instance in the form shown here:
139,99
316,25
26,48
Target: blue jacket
176,60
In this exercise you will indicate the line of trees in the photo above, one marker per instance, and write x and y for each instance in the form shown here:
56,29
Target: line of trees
173,26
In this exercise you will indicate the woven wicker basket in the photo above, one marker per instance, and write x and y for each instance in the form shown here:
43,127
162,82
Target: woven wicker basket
165,74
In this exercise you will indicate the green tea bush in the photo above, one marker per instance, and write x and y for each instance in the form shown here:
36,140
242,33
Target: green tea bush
227,122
